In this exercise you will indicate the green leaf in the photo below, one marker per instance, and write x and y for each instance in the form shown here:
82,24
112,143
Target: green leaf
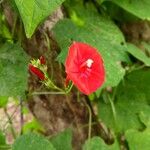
137,53
100,1
138,8
96,143
32,141
132,98
3,101
102,34
4,30
3,145
118,14
146,46
138,140
145,118
33,12
2,139
34,125
63,140
13,70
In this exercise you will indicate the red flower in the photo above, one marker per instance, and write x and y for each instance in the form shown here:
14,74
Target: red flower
36,71
84,66
42,60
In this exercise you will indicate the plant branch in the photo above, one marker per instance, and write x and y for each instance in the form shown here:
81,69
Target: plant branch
90,121
11,123
48,93
21,115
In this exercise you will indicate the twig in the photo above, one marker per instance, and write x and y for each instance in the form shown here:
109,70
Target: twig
100,129
12,115
21,115
11,123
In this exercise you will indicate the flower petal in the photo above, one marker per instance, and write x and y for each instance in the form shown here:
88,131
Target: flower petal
89,78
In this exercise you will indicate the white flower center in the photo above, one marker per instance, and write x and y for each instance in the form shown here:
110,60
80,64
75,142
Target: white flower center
89,63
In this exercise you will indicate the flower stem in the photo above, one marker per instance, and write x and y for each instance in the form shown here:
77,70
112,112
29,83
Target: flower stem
48,93
90,121
69,88
50,84
113,107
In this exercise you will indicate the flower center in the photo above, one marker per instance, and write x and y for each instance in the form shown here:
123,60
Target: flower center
85,68
89,63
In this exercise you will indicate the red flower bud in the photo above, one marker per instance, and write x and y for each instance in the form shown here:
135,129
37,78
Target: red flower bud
84,66
37,72
42,60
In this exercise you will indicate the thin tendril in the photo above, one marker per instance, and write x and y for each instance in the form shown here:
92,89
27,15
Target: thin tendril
90,121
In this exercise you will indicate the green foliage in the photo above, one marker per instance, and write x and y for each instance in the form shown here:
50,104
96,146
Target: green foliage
13,70
138,8
4,31
63,140
33,12
125,109
2,139
34,125
145,119
96,143
3,101
117,13
146,46
3,145
99,32
132,98
32,141
138,140
137,53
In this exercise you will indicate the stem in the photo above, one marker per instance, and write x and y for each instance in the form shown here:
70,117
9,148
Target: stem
133,68
113,107
47,93
20,32
47,40
50,84
101,131
59,89
21,115
78,96
11,123
90,121
69,89
114,94
14,25
12,115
